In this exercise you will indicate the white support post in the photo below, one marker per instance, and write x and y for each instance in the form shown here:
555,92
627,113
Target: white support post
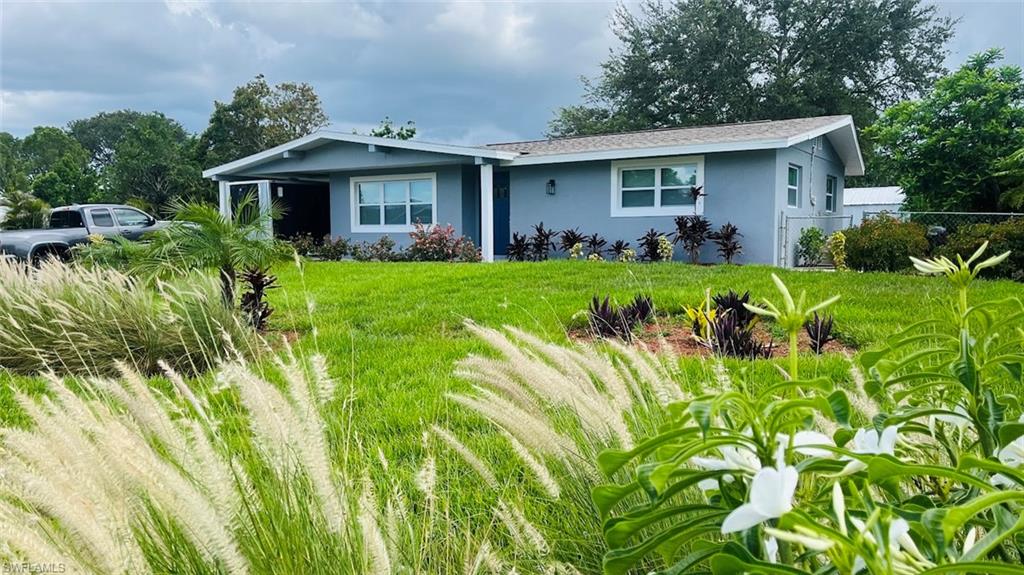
263,193
225,199
487,212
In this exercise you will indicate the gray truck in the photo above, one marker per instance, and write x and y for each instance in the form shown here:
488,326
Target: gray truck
71,225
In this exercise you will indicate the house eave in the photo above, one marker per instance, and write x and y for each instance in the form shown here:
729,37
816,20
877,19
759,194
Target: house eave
321,137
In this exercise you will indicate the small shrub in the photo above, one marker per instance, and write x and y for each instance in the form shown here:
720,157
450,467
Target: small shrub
617,248
819,329
518,248
595,258
569,238
836,246
609,320
627,255
650,245
254,304
731,337
810,248
115,252
727,240
884,243
692,232
382,250
595,245
1004,236
702,320
333,249
541,242
733,304
440,244
305,244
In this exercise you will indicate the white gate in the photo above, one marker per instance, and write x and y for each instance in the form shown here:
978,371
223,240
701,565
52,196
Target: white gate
790,228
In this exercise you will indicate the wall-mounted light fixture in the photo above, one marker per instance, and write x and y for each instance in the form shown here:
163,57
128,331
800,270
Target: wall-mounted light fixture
550,188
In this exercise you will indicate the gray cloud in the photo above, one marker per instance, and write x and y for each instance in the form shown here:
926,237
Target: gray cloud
465,72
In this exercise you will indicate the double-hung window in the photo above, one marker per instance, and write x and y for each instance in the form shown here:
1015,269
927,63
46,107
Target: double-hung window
657,187
831,186
393,203
793,185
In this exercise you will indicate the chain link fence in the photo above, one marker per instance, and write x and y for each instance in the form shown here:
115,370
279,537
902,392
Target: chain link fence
949,221
790,228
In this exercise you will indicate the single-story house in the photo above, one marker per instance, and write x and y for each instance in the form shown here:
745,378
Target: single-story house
753,174
860,201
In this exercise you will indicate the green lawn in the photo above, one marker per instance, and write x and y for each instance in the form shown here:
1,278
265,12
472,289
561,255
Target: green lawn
393,330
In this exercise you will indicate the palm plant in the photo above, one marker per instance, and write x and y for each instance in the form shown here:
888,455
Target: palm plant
24,211
200,237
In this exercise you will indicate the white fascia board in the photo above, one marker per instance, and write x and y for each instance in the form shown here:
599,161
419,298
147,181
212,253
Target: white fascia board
326,135
265,155
653,152
854,165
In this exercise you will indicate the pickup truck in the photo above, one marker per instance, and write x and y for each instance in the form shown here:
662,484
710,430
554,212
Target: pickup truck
71,225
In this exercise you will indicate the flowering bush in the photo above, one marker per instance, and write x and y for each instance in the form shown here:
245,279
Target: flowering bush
441,244
804,476
576,251
836,246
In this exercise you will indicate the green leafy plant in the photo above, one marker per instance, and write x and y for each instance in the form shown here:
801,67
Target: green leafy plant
23,210
199,237
790,317
702,320
1003,236
836,247
884,243
810,248
778,478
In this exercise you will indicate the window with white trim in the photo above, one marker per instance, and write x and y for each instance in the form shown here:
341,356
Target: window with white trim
657,187
831,185
793,184
393,203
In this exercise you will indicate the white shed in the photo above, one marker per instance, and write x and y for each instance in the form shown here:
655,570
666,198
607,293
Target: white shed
858,201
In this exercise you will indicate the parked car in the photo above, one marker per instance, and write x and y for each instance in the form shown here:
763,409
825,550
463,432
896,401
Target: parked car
71,225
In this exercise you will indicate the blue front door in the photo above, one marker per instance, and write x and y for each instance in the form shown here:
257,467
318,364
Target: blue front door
501,213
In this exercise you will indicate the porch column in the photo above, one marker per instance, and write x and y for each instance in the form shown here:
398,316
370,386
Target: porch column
225,199
487,212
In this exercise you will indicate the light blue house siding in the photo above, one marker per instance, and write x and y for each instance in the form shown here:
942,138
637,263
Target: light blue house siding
739,187
747,189
817,161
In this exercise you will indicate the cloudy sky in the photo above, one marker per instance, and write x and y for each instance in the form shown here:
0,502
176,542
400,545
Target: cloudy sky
465,72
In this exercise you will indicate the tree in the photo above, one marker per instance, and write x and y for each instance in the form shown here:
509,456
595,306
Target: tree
948,149
57,167
259,117
710,61
1011,176
12,168
23,210
152,162
387,129
200,237
100,134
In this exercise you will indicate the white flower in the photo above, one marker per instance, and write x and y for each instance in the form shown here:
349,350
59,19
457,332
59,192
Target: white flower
733,458
839,506
803,537
868,441
1013,454
803,440
771,496
771,549
970,539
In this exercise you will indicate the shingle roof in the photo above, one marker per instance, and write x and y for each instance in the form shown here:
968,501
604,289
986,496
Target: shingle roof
892,195
697,135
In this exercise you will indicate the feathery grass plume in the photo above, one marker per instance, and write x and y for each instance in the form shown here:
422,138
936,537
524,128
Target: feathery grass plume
859,398
70,319
483,561
540,471
373,540
477,464
524,533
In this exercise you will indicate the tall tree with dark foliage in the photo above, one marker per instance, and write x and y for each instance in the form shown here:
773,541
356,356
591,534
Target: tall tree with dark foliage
693,62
